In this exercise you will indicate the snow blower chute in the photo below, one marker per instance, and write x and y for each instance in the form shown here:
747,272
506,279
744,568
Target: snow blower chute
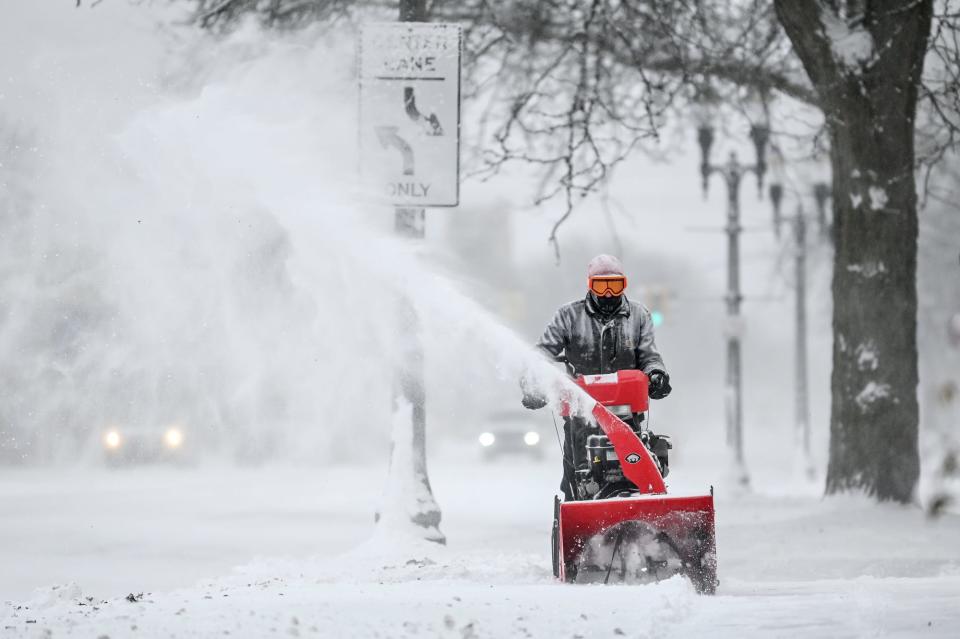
622,525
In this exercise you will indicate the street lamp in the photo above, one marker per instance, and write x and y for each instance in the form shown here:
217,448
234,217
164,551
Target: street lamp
821,193
733,172
760,136
776,198
775,190
705,140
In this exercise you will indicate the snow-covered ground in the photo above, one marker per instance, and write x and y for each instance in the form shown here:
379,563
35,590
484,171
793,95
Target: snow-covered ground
75,544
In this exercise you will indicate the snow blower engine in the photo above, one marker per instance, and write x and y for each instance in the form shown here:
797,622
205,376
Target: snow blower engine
622,523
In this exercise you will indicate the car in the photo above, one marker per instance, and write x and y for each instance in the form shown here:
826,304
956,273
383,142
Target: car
510,433
125,445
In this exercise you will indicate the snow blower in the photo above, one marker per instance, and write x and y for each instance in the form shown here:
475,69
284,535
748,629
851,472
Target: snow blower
621,522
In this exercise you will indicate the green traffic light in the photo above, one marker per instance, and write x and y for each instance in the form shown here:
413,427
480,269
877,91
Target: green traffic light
657,318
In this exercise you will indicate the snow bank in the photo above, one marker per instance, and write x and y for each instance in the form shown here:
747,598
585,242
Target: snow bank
789,566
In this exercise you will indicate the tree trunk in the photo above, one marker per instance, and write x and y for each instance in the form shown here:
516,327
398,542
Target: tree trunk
865,64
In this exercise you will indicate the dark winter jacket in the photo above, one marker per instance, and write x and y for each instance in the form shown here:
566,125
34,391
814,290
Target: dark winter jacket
594,344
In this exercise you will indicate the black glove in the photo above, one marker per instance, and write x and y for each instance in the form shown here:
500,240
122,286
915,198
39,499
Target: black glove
533,401
659,385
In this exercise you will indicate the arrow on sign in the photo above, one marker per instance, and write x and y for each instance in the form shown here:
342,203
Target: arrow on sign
430,123
388,137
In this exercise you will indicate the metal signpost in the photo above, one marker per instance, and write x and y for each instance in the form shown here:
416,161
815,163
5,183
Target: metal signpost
410,157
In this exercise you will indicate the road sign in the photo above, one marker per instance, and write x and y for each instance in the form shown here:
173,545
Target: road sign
410,112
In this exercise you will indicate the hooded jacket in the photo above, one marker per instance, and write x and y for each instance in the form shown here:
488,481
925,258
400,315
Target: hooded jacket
593,343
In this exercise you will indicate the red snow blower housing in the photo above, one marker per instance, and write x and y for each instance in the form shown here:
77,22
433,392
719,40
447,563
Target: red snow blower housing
622,522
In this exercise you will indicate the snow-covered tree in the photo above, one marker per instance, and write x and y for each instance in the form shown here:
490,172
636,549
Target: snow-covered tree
865,61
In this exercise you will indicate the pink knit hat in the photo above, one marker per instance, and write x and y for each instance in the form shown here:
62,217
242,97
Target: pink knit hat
604,265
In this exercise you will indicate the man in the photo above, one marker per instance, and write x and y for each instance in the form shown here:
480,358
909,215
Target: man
602,333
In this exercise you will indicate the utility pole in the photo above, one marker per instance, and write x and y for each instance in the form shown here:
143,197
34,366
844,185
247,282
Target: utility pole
733,172
802,442
800,373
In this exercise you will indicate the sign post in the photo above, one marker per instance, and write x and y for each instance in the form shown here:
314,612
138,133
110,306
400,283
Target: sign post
410,158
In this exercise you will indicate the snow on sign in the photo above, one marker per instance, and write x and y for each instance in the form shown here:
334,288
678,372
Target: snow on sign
410,112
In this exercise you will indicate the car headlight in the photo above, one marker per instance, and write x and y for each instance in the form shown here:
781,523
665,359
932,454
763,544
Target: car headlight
531,438
112,439
487,439
173,438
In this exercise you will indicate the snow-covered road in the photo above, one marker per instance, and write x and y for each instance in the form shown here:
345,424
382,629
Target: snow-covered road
789,565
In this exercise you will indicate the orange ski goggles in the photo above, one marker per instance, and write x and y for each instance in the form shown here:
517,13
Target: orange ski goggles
607,285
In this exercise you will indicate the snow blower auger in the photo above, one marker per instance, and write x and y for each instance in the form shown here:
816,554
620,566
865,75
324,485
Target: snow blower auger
621,524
